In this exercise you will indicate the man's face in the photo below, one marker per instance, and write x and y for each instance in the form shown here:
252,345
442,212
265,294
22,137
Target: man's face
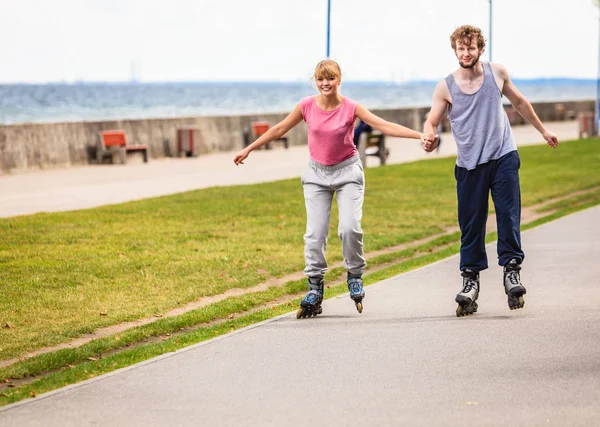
467,52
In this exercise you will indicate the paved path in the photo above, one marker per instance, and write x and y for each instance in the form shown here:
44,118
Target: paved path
406,360
90,186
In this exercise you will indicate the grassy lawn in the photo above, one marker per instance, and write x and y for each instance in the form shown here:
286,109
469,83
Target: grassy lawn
66,274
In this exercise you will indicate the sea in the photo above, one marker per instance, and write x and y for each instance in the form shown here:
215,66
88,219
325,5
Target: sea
83,101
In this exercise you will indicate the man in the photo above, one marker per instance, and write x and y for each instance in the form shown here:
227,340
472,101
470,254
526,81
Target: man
360,128
487,160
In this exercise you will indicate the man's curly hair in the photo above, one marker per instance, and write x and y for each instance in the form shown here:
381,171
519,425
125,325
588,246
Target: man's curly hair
468,32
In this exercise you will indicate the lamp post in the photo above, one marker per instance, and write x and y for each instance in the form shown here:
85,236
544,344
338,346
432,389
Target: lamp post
329,24
597,109
491,30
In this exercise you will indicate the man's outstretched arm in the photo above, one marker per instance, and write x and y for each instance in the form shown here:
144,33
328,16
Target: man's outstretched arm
523,106
438,109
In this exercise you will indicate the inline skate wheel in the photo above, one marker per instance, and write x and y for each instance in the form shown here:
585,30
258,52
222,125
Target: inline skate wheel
516,303
465,310
359,307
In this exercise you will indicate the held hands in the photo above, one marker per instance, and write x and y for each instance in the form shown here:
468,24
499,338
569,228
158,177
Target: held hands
550,138
429,141
240,157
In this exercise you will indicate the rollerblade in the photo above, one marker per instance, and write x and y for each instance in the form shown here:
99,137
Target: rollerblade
311,304
513,286
355,286
467,297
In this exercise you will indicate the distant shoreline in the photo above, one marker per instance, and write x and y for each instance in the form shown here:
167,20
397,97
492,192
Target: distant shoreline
544,80
88,101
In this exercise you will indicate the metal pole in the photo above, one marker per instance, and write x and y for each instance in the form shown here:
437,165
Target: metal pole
490,30
597,108
328,24
597,112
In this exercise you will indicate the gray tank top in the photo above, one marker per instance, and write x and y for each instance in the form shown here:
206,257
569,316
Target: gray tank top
479,123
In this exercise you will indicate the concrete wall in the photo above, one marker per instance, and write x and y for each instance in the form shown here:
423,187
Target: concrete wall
25,147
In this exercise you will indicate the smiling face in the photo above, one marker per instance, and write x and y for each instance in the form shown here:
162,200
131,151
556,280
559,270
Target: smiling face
327,85
467,53
328,77
468,45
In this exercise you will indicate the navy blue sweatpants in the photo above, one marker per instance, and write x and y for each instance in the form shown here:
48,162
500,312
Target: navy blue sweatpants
473,187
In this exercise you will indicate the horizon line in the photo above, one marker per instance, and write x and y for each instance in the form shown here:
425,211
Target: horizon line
151,82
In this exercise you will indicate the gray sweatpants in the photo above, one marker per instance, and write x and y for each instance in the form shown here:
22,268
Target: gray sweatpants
347,181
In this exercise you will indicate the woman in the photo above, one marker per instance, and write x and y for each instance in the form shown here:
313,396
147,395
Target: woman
334,167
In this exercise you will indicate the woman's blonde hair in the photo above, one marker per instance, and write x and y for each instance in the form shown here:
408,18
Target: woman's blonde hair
328,68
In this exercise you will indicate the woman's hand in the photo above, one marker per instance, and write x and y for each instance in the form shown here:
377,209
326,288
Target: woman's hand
429,141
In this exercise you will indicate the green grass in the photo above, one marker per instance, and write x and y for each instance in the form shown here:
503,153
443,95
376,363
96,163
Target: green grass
387,207
67,274
74,365
65,367
200,317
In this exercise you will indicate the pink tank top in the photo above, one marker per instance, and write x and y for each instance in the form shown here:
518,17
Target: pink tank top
330,133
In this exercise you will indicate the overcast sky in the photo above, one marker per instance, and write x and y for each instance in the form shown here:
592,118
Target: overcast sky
282,40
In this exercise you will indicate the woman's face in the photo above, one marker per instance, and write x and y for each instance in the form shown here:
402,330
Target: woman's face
327,85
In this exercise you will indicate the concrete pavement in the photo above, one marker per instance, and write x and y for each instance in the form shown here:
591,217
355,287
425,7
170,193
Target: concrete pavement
91,186
406,360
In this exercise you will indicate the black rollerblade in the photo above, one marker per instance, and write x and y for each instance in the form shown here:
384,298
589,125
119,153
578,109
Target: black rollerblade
311,304
513,286
467,297
355,286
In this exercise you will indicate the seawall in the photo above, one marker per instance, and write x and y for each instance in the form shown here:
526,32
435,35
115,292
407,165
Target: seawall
25,147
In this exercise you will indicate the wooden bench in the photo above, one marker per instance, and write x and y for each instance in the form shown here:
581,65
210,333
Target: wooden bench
260,128
375,146
114,142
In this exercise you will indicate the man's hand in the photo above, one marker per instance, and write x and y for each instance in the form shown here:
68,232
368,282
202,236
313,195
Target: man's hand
550,138
240,157
429,142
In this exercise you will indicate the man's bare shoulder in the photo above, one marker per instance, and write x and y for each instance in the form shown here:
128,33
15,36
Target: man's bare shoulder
442,90
499,70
